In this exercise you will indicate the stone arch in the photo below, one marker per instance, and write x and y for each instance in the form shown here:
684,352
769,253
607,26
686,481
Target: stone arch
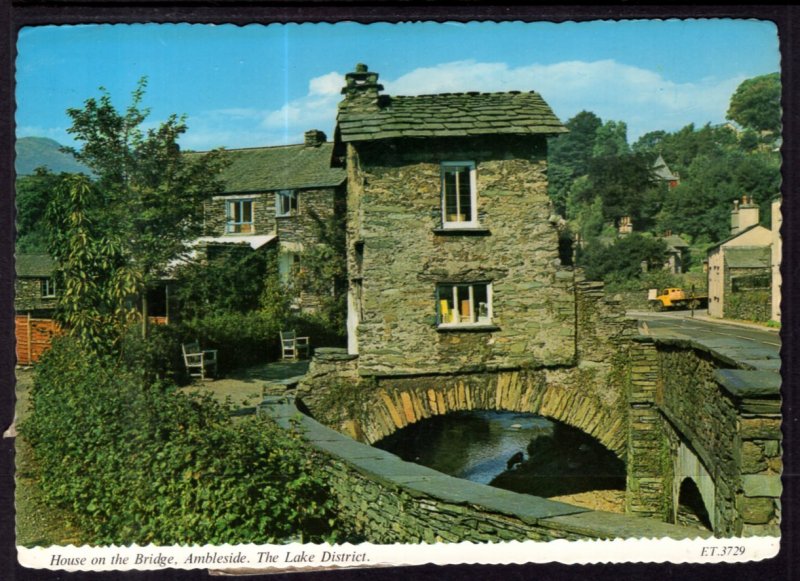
690,499
395,405
689,467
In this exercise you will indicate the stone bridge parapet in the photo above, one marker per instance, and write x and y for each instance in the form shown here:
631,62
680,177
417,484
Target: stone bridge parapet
392,501
708,412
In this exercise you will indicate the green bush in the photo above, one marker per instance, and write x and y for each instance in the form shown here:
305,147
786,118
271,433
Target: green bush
140,462
241,338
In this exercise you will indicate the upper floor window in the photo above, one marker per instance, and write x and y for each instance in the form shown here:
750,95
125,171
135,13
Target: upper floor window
48,288
459,195
286,203
464,304
240,217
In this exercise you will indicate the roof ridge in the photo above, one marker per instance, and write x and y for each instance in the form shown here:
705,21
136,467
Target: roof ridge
260,147
466,93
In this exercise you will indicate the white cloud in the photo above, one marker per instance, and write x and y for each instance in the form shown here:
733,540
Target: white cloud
643,98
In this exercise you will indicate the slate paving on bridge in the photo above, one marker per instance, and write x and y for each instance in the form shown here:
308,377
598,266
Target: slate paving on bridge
751,351
246,387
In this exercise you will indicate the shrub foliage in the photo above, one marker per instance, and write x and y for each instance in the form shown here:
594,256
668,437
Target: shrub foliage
140,462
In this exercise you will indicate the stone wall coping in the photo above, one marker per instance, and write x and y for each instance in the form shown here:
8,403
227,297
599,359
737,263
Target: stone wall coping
333,354
419,481
723,350
745,383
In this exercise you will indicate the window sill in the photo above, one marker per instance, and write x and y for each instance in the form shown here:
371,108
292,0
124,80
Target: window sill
462,231
293,215
468,328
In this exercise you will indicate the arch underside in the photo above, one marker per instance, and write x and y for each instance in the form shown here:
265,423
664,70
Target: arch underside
392,409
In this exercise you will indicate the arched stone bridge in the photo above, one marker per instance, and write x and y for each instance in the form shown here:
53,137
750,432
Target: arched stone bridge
676,400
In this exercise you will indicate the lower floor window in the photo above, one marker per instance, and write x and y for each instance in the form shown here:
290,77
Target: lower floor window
464,304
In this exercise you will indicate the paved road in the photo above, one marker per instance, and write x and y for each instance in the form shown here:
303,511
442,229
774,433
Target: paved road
757,347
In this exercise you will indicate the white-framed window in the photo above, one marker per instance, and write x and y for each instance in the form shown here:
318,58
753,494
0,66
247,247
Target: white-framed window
239,217
459,195
48,288
285,203
464,304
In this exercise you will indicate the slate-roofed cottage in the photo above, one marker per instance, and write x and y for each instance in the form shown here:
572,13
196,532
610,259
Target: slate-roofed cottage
34,287
676,249
452,247
35,295
270,195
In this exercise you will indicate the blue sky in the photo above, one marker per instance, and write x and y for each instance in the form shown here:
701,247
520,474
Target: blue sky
265,85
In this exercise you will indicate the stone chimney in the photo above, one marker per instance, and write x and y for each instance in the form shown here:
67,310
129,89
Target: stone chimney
362,87
744,215
314,138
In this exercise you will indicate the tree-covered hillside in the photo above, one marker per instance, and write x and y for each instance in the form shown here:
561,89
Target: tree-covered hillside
597,178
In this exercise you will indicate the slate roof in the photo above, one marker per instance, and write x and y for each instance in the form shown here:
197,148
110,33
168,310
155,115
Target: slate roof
449,115
661,169
35,265
287,167
745,257
675,242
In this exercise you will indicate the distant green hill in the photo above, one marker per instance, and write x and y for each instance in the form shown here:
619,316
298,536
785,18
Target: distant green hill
34,152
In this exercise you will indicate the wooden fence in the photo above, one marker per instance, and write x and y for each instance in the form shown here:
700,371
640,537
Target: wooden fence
33,337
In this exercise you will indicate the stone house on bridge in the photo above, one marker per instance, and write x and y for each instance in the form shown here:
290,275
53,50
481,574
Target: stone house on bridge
452,247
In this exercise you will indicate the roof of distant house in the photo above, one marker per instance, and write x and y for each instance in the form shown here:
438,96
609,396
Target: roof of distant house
35,265
662,171
744,257
449,115
734,236
675,242
287,167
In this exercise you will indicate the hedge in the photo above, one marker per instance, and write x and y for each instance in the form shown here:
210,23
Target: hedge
143,462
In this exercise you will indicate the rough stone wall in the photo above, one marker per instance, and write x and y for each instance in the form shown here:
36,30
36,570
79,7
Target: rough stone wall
300,228
749,304
741,451
646,490
215,216
28,295
394,209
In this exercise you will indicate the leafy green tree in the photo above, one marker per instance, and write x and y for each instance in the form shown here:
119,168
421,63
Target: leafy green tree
756,104
623,259
151,192
92,270
230,279
700,206
622,182
33,193
611,140
568,157
650,142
